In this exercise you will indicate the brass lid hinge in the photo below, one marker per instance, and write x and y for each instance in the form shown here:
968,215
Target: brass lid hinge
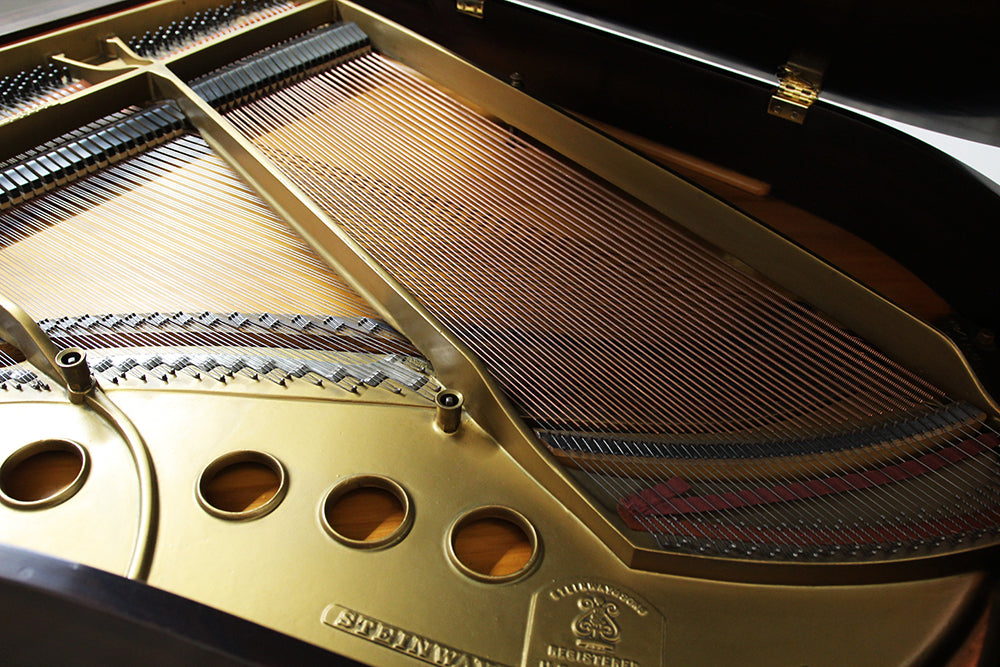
471,7
798,88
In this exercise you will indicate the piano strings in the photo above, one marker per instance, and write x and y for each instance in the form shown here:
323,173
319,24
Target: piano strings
168,261
638,354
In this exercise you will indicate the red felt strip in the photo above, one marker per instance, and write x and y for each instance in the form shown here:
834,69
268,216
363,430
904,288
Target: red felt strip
865,534
663,500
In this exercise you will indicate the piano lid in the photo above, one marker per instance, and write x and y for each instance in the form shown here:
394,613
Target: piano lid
20,19
921,62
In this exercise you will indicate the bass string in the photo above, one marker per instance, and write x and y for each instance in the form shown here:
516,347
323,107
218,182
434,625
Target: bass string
355,203
459,123
516,171
855,508
860,507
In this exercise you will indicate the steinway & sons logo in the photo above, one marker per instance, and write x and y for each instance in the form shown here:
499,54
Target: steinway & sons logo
595,626
587,622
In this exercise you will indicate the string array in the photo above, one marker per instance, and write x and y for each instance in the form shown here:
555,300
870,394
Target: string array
660,372
171,250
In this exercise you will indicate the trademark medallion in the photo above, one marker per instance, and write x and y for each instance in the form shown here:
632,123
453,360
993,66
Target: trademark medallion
589,622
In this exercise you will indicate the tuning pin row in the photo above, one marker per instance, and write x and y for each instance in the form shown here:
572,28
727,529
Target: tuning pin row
23,90
263,71
198,28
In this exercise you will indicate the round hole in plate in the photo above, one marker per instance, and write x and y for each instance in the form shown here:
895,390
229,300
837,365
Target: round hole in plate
493,544
43,474
367,512
242,485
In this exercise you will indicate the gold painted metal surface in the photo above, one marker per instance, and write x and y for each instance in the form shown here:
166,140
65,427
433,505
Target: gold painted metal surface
592,622
407,602
110,489
343,254
284,570
16,326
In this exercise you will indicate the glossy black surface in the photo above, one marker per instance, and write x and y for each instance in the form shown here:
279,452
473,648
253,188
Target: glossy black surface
925,55
19,19
60,613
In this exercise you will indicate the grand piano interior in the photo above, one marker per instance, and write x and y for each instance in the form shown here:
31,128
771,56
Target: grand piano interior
505,333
